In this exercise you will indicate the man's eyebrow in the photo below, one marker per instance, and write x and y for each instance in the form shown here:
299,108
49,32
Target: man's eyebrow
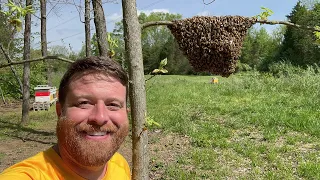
89,96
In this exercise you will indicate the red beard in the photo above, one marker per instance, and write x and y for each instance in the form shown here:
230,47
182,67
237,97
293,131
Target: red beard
86,152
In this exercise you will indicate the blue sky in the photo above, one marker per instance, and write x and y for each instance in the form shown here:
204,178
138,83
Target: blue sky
65,28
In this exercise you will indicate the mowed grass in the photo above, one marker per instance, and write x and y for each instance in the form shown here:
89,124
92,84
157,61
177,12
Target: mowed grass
248,126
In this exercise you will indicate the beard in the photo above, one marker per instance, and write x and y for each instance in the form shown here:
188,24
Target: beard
88,152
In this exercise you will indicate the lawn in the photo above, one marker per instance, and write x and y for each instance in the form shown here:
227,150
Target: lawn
247,126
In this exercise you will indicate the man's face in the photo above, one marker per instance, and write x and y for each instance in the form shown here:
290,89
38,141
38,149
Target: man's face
94,121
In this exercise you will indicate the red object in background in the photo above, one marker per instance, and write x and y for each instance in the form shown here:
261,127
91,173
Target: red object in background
42,93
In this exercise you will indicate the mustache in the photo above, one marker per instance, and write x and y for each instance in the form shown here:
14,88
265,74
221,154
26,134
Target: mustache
89,128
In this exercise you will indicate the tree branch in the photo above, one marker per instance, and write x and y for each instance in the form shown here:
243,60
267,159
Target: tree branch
288,24
34,60
209,2
168,23
15,74
156,23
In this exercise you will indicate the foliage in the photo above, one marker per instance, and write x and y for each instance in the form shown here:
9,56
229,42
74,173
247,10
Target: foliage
113,43
266,12
300,47
15,13
157,44
259,48
161,69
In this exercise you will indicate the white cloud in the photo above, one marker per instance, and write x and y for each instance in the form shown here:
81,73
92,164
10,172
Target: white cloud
148,12
204,13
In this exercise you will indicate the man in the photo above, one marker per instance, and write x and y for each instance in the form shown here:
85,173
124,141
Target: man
92,125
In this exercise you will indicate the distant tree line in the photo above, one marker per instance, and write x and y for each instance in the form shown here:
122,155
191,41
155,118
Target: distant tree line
262,50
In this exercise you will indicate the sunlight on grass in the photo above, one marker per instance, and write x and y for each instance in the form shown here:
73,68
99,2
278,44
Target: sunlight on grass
262,120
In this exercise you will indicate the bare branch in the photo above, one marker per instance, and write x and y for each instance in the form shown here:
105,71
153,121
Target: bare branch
34,60
15,74
288,24
168,23
156,23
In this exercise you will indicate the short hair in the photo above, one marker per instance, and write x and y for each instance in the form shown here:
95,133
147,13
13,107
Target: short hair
91,65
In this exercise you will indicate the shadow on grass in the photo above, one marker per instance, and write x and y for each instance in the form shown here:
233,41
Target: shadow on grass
15,130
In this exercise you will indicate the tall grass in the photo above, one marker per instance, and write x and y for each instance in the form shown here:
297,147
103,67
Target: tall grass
247,125
253,98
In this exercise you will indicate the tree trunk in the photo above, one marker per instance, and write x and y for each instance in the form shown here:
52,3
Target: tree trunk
87,27
101,29
132,36
2,97
26,68
44,49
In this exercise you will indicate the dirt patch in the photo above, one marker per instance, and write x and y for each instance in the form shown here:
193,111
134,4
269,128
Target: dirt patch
163,149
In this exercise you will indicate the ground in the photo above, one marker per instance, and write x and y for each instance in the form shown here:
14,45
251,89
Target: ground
26,142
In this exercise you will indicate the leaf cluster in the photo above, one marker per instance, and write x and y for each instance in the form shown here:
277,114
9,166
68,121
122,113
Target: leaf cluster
266,12
16,12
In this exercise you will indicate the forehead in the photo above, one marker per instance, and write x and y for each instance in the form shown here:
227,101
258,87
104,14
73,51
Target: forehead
92,77
94,80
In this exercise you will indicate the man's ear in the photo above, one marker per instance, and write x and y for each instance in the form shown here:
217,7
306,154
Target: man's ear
58,108
128,110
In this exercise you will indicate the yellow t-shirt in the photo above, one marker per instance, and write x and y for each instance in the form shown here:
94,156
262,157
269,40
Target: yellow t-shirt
48,165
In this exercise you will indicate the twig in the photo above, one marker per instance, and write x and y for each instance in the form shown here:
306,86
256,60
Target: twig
209,2
34,60
150,77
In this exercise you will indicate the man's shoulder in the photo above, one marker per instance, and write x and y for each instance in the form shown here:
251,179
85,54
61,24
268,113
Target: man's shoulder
33,167
118,166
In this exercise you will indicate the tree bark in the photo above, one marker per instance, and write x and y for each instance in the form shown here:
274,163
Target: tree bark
44,48
26,68
132,36
87,27
101,29
2,97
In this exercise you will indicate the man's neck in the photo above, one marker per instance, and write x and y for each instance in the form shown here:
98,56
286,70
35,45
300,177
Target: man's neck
91,173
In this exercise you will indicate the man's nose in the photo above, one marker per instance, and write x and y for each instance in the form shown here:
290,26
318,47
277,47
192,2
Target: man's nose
99,114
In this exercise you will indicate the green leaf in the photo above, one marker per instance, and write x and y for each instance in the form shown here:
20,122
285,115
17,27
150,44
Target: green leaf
164,62
151,122
164,71
155,71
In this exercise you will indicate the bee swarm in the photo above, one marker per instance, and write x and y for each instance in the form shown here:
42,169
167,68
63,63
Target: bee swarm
213,43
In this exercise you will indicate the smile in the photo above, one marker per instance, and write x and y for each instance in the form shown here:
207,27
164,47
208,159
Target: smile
97,133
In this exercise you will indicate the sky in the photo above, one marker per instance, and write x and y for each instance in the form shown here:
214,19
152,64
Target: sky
64,26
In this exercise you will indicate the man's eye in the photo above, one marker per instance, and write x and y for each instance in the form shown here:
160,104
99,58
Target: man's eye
83,104
114,106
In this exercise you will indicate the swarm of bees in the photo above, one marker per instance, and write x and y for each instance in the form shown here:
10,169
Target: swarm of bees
212,44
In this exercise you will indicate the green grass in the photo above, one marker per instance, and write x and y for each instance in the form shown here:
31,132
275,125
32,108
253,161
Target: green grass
249,126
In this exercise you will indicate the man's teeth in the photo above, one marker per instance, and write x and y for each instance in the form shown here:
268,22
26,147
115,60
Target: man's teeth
97,133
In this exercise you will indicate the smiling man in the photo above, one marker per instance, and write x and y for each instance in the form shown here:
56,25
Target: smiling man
92,125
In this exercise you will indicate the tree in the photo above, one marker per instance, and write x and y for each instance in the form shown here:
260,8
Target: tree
257,47
157,43
137,93
101,28
299,46
87,28
26,68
